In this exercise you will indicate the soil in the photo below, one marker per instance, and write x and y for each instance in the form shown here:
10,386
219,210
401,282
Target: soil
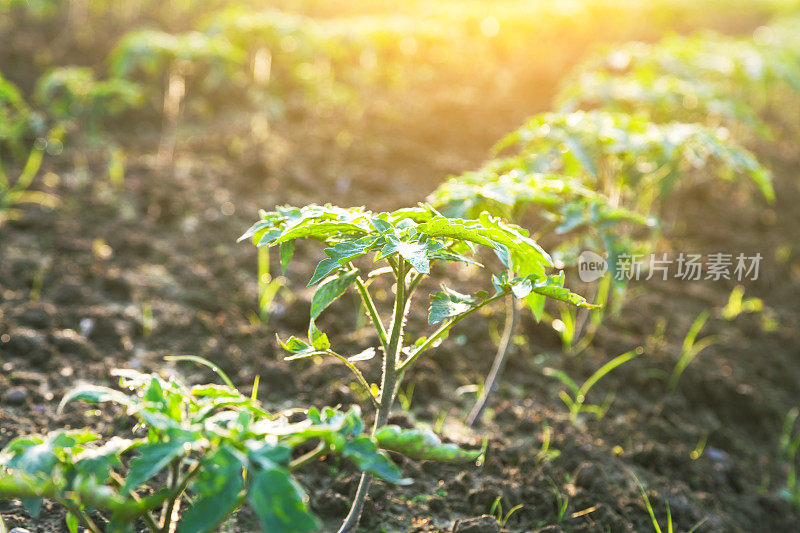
76,284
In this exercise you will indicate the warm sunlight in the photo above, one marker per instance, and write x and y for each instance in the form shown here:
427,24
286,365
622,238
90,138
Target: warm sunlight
462,266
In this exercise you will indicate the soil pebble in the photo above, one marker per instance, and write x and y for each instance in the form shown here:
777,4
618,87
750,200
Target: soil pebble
15,396
479,524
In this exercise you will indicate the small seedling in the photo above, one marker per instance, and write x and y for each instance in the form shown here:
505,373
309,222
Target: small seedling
546,453
408,242
576,403
561,501
497,511
18,192
738,304
690,349
650,511
208,445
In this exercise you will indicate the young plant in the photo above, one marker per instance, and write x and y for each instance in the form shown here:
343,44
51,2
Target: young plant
577,402
18,192
169,63
497,511
15,118
690,349
738,304
631,160
662,98
408,242
567,210
208,445
74,98
650,511
561,501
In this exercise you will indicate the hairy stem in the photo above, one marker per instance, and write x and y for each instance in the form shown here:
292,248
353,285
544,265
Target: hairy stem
512,314
366,298
388,385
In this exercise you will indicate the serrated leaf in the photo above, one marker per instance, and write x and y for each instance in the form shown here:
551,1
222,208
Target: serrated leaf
297,347
319,341
535,303
364,452
280,503
330,290
98,462
415,253
449,303
216,492
152,458
325,267
421,444
286,251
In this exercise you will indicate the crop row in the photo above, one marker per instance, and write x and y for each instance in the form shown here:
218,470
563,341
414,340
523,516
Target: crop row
594,175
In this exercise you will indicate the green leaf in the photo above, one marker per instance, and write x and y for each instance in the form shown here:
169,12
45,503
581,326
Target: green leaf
279,502
287,251
330,290
216,492
325,267
421,444
535,303
449,303
95,394
415,253
153,457
98,462
364,452
318,339
298,348
72,523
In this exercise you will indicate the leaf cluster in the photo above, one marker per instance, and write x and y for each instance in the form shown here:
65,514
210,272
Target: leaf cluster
207,444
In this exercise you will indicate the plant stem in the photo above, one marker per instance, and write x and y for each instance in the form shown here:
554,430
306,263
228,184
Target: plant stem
373,313
80,515
512,314
359,376
443,329
388,385
166,515
308,457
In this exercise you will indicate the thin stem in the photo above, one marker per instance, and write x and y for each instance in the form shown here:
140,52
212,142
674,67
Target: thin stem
366,297
358,374
176,490
147,516
166,515
80,515
388,382
443,329
500,358
308,457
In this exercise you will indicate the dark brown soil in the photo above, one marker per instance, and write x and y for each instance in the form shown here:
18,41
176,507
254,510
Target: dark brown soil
75,283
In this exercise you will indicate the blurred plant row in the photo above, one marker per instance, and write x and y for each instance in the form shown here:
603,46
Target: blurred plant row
633,125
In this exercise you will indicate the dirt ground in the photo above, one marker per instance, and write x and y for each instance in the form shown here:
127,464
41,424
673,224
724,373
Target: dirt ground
78,283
